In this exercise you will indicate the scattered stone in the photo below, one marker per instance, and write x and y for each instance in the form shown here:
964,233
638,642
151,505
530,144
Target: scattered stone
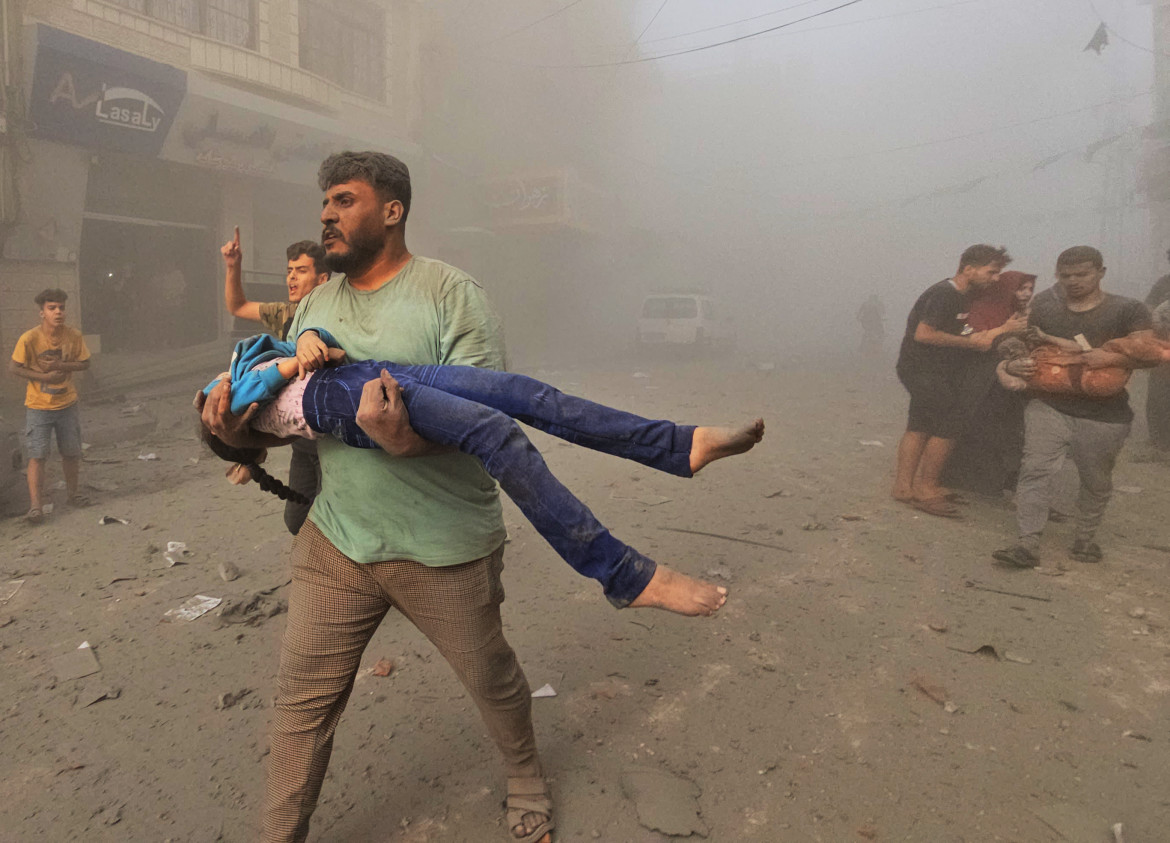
95,695
938,626
77,664
228,699
109,815
191,608
665,802
719,574
1137,612
384,667
9,589
228,571
252,610
929,689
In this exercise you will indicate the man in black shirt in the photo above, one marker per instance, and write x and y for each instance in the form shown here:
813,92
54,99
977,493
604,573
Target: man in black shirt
935,350
1076,315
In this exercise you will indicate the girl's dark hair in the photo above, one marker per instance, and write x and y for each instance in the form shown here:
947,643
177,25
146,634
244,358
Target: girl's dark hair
247,457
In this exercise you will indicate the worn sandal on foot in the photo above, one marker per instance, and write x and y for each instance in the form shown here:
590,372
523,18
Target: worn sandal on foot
1016,556
35,516
1086,551
528,795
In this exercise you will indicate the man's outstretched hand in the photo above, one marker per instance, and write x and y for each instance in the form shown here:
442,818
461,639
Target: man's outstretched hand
215,411
383,417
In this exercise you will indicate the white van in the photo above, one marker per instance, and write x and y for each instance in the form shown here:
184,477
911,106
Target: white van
682,319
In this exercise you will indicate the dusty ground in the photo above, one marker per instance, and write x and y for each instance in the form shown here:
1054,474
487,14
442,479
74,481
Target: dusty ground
820,705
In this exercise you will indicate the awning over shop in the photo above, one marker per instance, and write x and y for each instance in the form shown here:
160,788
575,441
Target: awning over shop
224,128
93,95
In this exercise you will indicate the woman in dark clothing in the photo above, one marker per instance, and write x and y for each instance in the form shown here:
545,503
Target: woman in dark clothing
986,458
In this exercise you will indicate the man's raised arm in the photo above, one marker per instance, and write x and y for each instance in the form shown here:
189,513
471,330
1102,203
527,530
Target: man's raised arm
233,285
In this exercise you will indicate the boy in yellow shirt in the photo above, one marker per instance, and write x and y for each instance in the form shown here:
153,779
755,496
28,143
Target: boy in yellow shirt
47,356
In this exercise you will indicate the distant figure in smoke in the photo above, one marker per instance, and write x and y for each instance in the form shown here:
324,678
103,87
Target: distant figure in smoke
1158,394
872,318
1081,409
47,356
306,271
937,347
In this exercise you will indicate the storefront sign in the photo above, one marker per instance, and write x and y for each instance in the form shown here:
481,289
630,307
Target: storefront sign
93,95
525,201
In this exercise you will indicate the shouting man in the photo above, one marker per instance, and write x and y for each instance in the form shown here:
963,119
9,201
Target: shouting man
306,270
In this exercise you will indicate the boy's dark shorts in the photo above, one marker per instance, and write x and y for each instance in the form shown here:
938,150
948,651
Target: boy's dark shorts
935,405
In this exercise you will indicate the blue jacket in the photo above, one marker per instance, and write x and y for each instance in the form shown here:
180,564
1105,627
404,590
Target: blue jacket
250,386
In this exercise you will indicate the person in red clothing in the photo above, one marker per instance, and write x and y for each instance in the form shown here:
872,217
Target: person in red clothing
987,456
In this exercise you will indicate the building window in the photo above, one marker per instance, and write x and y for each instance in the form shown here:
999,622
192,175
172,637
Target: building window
230,21
344,43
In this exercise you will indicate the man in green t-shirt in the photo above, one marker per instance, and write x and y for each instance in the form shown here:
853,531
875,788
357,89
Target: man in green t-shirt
306,271
416,526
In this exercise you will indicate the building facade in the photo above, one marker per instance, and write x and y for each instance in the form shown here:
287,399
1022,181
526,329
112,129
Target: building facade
136,133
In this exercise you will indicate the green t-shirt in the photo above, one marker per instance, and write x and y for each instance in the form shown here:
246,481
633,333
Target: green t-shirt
441,510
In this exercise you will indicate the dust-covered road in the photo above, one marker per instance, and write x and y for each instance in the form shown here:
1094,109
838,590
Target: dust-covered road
840,695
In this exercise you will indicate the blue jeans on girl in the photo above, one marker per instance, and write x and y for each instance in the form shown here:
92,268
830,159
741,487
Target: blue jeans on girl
473,410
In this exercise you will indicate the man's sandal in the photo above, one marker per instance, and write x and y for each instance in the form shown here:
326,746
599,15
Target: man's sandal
528,795
35,516
1016,556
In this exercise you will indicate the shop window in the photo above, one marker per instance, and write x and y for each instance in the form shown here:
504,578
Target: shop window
230,21
345,43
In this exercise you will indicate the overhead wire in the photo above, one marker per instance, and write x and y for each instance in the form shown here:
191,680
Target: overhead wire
535,23
738,38
646,28
732,23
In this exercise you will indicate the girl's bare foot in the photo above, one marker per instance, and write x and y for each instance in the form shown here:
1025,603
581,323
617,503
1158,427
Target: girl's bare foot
715,443
679,593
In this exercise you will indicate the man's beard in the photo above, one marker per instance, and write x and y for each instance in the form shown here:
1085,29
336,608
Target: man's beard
363,249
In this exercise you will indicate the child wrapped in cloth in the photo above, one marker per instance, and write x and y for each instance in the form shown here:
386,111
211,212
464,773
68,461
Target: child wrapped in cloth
1040,363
